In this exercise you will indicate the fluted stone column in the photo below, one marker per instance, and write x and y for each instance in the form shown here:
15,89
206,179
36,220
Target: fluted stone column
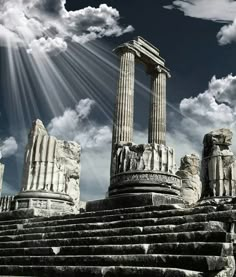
123,117
51,172
1,177
157,113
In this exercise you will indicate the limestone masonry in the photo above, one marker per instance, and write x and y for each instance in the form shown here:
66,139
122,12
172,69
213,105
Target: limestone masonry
218,164
147,167
189,172
156,220
1,176
51,172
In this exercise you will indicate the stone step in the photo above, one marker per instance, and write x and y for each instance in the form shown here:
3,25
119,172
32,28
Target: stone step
116,221
20,216
196,236
160,208
199,226
162,211
224,216
198,248
96,271
189,262
75,219
135,211
128,220
94,233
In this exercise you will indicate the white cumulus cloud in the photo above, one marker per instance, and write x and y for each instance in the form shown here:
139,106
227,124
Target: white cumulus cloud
46,25
95,140
227,34
212,109
74,125
217,10
8,147
53,46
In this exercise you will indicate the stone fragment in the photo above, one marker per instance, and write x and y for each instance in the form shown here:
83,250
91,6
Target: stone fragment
189,172
218,164
56,250
51,165
229,270
143,157
6,203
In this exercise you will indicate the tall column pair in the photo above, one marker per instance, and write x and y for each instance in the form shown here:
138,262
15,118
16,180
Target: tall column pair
123,117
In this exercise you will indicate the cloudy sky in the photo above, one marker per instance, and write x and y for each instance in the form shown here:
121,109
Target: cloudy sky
56,64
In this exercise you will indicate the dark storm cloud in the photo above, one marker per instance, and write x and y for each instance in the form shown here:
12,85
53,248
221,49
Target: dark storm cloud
51,7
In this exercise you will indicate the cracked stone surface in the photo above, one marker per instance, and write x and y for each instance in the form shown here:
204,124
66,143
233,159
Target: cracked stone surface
50,164
1,176
218,164
146,157
189,172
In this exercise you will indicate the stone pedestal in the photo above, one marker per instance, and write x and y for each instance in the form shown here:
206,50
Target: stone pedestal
144,168
54,202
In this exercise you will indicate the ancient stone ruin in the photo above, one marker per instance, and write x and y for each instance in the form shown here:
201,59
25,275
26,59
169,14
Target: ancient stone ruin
1,176
189,172
155,221
51,172
218,164
147,169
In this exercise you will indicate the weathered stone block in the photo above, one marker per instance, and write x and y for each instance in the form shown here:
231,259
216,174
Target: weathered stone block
51,166
1,176
189,172
218,164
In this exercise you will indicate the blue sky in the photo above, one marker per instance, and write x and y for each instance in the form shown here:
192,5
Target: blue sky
197,41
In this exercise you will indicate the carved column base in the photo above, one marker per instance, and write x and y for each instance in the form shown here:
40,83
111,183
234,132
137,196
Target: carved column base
57,203
145,181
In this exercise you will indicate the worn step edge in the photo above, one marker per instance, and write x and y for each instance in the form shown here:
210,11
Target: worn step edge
114,217
92,271
188,262
162,209
196,248
225,216
194,226
75,233
128,211
197,236
126,222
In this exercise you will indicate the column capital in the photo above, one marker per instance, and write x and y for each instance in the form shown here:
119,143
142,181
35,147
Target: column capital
155,70
124,48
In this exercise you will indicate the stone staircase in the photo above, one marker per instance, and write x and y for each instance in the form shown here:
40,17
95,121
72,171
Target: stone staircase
147,241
